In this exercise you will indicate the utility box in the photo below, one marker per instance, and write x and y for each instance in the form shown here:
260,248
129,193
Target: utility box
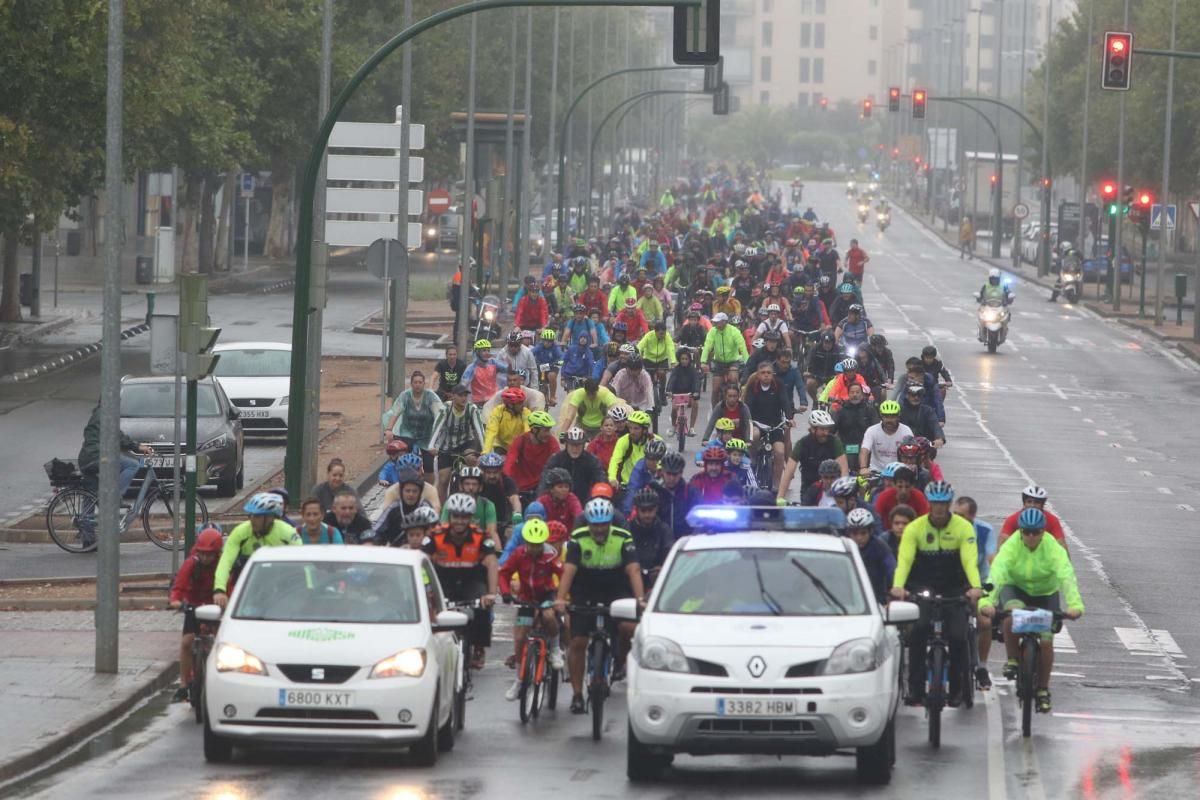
144,272
25,290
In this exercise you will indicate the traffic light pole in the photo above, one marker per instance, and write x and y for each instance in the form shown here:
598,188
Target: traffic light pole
302,312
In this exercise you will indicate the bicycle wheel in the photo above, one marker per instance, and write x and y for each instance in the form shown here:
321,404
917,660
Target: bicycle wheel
158,518
196,689
935,697
71,520
553,678
680,421
969,664
528,693
597,687
1028,679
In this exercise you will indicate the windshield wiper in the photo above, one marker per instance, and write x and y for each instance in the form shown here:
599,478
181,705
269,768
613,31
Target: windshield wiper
820,584
767,599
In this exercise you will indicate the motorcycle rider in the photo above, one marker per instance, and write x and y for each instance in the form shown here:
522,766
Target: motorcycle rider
994,289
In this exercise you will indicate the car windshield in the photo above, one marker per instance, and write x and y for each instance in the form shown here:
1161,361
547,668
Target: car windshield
158,400
762,581
329,591
251,363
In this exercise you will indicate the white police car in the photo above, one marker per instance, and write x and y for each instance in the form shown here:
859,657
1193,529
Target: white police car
758,639
331,646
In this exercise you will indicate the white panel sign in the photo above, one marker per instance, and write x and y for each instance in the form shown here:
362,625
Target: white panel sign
371,201
375,135
383,169
361,234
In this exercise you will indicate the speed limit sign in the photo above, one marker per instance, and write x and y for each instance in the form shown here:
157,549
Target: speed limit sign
1020,211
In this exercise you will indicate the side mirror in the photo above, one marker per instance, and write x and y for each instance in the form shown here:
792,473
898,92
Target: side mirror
449,621
626,608
900,611
234,413
209,613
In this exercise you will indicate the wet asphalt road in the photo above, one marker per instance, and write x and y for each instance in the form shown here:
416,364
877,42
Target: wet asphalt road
1082,406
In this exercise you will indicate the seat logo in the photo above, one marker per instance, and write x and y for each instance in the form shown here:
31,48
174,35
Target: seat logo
756,666
318,673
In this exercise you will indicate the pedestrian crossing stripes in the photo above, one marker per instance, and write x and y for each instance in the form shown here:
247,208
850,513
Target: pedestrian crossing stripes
1063,643
1153,642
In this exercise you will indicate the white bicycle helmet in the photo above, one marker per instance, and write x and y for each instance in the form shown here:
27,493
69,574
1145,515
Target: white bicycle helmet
819,418
618,413
576,434
421,517
598,510
1034,492
845,486
628,350
860,518
460,504
264,503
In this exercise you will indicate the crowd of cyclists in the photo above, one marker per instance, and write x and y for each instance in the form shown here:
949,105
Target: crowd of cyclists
542,467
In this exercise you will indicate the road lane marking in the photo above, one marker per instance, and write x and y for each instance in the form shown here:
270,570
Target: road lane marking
1061,394
1079,341
1153,642
1076,409
1101,433
997,774
1184,507
1063,643
1123,718
1146,473
1164,490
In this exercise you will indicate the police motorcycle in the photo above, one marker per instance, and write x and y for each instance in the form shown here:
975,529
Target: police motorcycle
1069,282
993,312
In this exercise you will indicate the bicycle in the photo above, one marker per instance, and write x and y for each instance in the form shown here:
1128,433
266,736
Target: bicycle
71,510
202,642
1038,622
464,690
763,464
598,664
937,652
681,405
658,381
539,678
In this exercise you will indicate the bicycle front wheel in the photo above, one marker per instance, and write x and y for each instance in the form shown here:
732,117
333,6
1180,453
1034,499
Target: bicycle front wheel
935,697
71,520
598,684
158,518
1028,680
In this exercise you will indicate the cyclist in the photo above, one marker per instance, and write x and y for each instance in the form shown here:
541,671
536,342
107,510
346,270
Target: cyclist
457,431
909,455
820,444
856,261
855,330
527,457
587,406
417,526
1032,571
482,374
89,454
822,363
263,529
877,365
920,417
620,294
600,566
312,529
693,332
1034,496
732,416
579,325
532,311
635,321
708,485
497,488
549,357
807,314
560,502
470,483
632,384
838,388
517,357
594,299
938,553
538,569
724,349
684,379
736,462
193,587
935,369
819,492
877,558
448,371
725,303
902,491
853,418
847,295
624,354
464,558
769,407
630,449
507,421
657,350
651,536
673,494
644,471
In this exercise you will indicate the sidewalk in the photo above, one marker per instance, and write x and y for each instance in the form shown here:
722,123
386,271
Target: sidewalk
53,700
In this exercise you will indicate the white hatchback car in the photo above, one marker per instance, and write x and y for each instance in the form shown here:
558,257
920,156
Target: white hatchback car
760,640
333,646
257,378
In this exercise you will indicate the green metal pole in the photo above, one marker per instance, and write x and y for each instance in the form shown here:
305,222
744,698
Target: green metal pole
189,507
301,310
562,141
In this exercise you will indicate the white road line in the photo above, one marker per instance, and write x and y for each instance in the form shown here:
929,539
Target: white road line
1164,490
1024,358
1031,779
941,333
1101,433
1184,507
1063,643
1076,409
1123,718
1079,341
1061,394
997,774
1131,459
1155,642
1147,473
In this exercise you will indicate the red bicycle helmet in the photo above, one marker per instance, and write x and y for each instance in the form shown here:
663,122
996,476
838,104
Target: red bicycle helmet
602,489
714,453
909,450
395,447
513,394
210,540
924,444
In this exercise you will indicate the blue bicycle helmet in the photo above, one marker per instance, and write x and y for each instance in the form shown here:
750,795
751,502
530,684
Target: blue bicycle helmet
598,510
939,492
1032,519
535,509
409,461
889,469
264,503
491,460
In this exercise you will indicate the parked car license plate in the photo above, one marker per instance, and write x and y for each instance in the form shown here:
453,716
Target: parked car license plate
253,413
161,461
315,698
756,707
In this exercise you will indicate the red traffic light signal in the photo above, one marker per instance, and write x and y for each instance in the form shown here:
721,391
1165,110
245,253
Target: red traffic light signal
919,98
1108,190
867,104
1118,55
894,98
824,103
993,179
1145,199
895,152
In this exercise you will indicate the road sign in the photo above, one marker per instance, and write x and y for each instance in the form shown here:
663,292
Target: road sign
1156,217
1020,211
960,185
247,184
386,258
439,201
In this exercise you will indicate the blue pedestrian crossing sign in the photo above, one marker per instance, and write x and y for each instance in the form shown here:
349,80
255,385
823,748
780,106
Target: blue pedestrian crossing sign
1156,217
247,184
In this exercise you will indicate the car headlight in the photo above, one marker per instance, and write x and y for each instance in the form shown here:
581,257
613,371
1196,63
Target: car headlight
283,401
856,655
408,663
215,443
659,653
431,231
231,658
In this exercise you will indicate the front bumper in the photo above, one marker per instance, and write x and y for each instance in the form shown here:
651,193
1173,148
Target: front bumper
678,713
373,720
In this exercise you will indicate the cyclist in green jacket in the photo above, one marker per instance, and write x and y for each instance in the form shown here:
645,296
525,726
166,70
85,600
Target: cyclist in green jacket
263,529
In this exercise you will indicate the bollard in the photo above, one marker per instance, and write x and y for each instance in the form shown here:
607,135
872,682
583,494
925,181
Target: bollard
1180,291
149,306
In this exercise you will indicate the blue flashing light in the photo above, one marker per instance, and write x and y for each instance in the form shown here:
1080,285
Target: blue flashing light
736,519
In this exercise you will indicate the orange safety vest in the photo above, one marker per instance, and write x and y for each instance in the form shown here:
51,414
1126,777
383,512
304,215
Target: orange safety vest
468,554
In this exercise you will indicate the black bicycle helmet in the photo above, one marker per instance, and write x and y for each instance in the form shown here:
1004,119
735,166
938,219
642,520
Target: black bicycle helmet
673,462
645,498
655,448
557,476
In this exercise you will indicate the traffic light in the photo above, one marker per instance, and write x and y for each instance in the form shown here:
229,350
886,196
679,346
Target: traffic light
895,152
696,34
1118,58
919,99
1139,212
867,104
894,98
1127,199
196,339
824,103
992,181
1108,194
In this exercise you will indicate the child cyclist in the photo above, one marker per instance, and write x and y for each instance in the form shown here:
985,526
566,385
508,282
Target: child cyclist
538,569
193,587
739,465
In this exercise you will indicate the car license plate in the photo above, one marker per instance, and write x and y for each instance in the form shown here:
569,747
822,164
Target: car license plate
254,413
161,461
315,698
756,707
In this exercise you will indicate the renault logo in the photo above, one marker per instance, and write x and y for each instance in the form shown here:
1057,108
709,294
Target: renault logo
757,667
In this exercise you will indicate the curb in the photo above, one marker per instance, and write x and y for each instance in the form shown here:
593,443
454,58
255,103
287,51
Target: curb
74,356
142,603
40,329
134,576
56,745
